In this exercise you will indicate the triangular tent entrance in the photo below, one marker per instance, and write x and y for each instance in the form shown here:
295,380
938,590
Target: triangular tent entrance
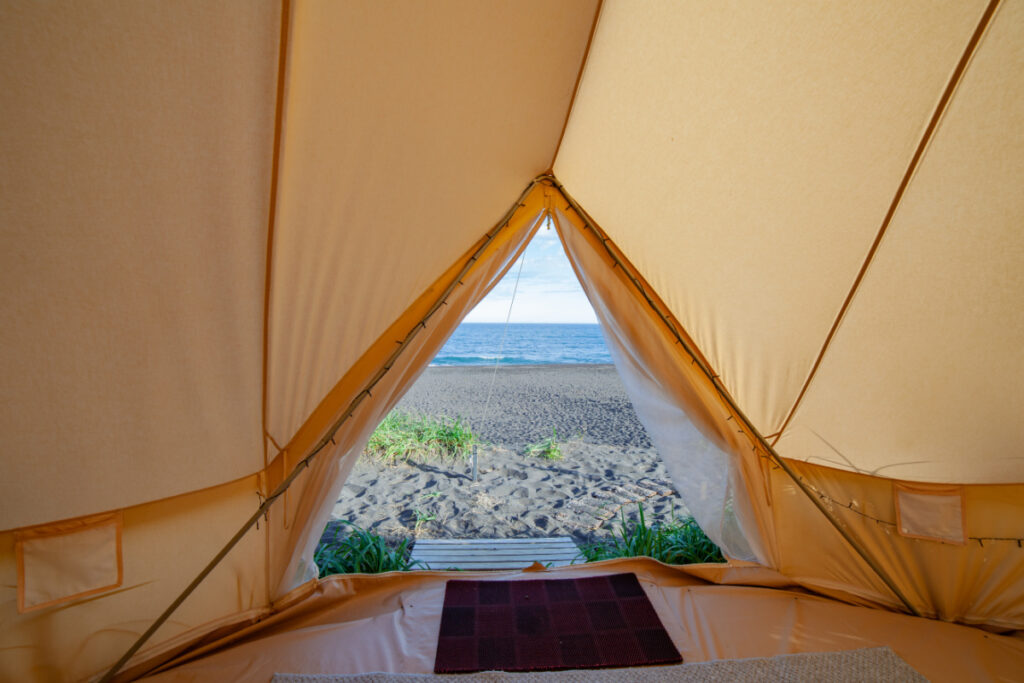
234,233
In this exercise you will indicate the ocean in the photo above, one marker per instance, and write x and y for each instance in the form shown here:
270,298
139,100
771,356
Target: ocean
525,344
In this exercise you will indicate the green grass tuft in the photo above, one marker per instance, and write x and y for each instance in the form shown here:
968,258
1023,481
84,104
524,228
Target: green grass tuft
422,518
402,437
547,449
672,543
353,550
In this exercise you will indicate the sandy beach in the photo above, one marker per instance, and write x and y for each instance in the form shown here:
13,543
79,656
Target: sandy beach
608,464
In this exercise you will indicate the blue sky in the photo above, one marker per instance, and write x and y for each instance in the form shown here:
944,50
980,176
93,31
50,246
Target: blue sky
548,290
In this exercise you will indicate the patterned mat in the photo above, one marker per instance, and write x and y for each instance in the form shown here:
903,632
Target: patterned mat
550,624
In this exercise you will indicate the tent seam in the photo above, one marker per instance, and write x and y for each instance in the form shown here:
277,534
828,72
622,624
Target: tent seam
275,176
576,87
275,182
915,162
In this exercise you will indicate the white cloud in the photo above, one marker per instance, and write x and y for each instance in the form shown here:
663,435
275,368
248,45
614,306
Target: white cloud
548,291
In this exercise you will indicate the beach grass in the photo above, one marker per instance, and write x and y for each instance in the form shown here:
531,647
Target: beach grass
673,542
547,449
401,437
422,517
353,550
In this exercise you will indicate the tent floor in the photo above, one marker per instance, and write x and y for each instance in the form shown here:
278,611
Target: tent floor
390,622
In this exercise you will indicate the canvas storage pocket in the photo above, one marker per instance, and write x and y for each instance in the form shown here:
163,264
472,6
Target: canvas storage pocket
934,513
67,560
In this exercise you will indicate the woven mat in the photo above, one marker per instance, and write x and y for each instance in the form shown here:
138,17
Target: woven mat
873,665
550,624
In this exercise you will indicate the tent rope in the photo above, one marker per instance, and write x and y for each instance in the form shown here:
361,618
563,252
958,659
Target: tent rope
725,396
328,437
501,350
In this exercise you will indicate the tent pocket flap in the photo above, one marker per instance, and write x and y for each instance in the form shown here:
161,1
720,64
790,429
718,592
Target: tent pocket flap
67,560
931,513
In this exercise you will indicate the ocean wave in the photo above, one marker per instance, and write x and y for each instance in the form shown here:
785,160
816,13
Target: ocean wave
483,344
483,360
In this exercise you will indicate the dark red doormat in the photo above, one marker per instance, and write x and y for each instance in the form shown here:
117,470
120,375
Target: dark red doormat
550,624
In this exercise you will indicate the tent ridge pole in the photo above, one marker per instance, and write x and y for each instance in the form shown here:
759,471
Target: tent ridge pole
723,393
320,445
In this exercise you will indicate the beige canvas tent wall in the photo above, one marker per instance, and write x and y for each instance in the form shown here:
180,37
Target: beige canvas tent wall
235,232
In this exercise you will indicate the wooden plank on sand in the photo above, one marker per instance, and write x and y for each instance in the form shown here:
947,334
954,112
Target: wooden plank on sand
557,540
511,555
557,549
494,553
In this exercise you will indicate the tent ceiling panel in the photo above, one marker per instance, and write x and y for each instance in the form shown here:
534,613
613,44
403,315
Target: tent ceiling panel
408,128
744,155
137,146
930,353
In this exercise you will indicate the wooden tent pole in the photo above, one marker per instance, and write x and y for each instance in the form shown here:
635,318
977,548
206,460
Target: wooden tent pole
724,395
326,439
